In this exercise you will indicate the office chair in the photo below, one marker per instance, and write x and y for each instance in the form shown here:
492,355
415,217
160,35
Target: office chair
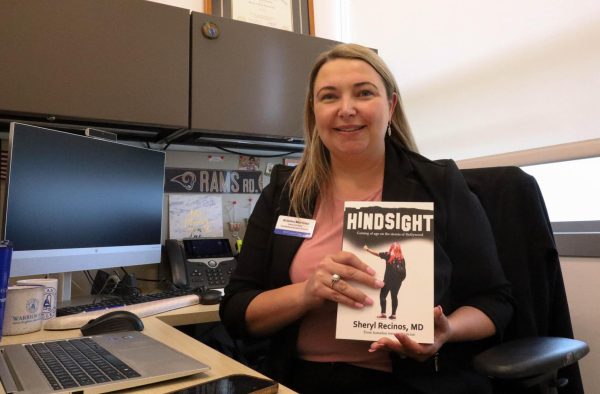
538,353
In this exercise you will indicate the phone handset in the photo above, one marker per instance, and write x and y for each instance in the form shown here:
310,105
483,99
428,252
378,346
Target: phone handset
177,262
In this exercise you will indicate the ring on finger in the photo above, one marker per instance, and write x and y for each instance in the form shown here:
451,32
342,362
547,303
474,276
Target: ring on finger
335,278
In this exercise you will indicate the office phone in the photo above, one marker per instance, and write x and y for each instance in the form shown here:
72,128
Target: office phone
205,263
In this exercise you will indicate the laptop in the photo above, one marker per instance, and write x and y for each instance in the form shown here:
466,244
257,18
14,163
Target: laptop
94,364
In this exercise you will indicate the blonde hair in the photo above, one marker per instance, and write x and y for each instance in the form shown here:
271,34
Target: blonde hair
311,175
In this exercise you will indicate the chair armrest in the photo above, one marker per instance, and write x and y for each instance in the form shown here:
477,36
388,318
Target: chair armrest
529,357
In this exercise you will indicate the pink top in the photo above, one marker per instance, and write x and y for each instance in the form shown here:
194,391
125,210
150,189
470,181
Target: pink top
316,340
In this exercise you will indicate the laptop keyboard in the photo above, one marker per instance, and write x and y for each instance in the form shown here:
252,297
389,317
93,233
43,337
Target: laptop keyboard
78,362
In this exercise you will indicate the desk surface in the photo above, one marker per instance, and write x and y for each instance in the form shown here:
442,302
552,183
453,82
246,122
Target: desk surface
161,327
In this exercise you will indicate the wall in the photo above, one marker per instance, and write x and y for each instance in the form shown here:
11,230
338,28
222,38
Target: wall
581,281
471,71
193,5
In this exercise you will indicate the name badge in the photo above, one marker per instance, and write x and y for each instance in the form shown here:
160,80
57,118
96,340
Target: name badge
295,227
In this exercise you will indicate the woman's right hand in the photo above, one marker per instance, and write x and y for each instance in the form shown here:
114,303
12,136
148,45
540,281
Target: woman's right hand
273,309
321,286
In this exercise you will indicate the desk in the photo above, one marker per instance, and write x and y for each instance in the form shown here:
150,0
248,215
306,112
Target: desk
191,315
161,327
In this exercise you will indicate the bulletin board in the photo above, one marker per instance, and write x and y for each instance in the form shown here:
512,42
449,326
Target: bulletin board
212,195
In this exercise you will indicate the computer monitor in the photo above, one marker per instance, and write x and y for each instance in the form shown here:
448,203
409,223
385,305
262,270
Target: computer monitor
77,203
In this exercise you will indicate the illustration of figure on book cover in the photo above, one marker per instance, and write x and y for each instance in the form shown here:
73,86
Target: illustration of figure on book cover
395,273
396,240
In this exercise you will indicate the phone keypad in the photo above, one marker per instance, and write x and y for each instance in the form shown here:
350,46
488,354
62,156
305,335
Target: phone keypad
210,274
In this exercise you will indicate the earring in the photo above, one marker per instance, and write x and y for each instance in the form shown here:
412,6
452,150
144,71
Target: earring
389,129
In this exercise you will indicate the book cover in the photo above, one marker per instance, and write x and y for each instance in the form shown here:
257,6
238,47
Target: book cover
396,240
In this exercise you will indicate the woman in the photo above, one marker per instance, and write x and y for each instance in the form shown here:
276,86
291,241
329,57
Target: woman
286,288
395,273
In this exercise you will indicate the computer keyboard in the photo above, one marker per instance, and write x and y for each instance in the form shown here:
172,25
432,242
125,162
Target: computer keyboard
142,309
123,301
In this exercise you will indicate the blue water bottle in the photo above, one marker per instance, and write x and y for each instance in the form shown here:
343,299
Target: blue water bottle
5,257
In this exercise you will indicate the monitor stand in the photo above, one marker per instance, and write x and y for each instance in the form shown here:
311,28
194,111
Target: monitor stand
64,286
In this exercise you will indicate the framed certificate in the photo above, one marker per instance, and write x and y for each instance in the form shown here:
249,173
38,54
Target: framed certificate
291,15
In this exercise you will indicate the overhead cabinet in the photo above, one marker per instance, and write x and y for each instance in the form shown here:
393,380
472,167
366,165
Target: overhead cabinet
136,64
249,79
114,61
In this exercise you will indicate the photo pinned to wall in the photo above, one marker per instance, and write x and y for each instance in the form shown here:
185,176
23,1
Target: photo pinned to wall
239,208
249,205
291,162
269,168
250,163
195,216
237,211
231,211
233,222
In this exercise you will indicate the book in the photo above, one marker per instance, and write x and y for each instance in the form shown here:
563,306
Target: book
396,240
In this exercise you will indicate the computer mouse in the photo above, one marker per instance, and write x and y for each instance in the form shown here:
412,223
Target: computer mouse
112,322
210,297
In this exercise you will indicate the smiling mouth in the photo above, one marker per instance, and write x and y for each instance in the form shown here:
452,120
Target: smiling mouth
349,129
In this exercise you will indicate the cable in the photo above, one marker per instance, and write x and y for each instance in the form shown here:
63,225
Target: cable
115,280
125,290
245,154
143,279
114,277
88,276
93,284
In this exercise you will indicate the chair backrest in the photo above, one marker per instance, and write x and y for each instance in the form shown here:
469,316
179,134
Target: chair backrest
516,210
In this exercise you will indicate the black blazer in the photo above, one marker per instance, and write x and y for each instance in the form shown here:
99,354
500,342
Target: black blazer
467,269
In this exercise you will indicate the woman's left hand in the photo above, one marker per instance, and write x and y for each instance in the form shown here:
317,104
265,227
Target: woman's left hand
406,347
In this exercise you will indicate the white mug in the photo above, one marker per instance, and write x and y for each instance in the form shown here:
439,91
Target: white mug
23,311
50,294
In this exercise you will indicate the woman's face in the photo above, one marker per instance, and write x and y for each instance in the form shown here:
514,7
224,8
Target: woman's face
351,109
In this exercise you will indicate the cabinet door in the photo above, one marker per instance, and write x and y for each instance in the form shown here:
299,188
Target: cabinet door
251,79
95,60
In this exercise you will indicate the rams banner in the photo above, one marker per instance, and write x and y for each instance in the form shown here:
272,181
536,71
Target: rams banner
186,180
